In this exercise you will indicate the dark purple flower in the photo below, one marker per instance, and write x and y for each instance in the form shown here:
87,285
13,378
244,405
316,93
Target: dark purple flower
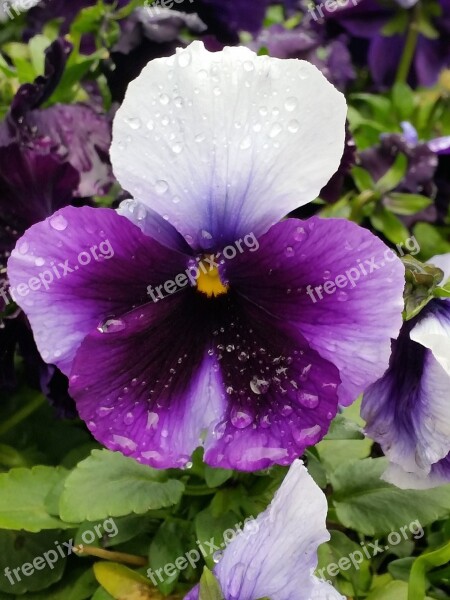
309,42
366,19
249,568
202,319
407,410
73,133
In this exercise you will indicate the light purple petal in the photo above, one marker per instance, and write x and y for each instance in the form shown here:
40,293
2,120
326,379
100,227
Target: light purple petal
63,306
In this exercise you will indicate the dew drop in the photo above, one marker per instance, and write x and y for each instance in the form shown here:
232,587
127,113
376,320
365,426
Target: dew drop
164,99
259,386
246,143
275,130
307,399
240,418
128,418
161,187
111,326
289,251
342,296
23,248
217,556
291,104
184,59
133,122
249,66
59,223
39,262
299,234
293,126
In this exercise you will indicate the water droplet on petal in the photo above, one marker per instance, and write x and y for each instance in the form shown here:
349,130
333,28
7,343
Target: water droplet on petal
289,251
39,262
291,104
59,223
217,556
161,187
111,326
275,130
164,99
133,123
259,386
342,296
23,247
293,126
307,399
299,234
240,418
246,143
184,59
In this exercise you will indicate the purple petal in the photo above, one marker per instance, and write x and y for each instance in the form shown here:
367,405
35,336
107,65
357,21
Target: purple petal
158,390
66,305
407,409
348,325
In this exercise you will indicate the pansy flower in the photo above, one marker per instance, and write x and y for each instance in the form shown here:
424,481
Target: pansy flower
211,322
276,554
367,18
407,411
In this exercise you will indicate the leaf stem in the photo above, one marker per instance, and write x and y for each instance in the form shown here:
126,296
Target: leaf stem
22,414
410,47
121,557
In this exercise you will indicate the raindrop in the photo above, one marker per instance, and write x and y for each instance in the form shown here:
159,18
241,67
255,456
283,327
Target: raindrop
249,66
275,130
299,234
134,123
200,138
161,187
289,251
259,386
246,143
128,418
293,126
164,99
291,104
39,262
23,248
241,419
307,399
59,223
184,59
342,296
177,148
217,556
111,326
243,357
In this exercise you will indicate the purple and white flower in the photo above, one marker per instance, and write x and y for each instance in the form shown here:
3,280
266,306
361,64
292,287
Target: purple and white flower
407,410
276,555
215,149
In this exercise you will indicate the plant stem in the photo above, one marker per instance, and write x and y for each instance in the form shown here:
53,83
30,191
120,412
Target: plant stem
22,414
121,557
409,49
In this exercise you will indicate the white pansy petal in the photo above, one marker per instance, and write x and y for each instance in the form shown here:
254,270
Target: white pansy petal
433,332
225,144
324,591
442,261
276,555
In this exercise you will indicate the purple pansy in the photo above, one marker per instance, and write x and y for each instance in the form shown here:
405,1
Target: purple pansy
366,19
215,148
294,524
407,410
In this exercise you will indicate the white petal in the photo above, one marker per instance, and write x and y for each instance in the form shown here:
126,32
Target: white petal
225,144
433,332
324,591
442,261
277,557
412,481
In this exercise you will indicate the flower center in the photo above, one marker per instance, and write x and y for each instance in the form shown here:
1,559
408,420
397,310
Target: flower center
208,280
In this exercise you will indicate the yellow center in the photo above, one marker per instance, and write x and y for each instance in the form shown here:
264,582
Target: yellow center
208,281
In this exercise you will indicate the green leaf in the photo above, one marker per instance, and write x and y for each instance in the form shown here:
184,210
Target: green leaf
209,587
406,204
78,584
430,240
389,225
334,560
108,484
34,552
216,477
344,429
418,580
367,504
208,526
122,583
363,180
166,547
394,175
23,494
403,100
